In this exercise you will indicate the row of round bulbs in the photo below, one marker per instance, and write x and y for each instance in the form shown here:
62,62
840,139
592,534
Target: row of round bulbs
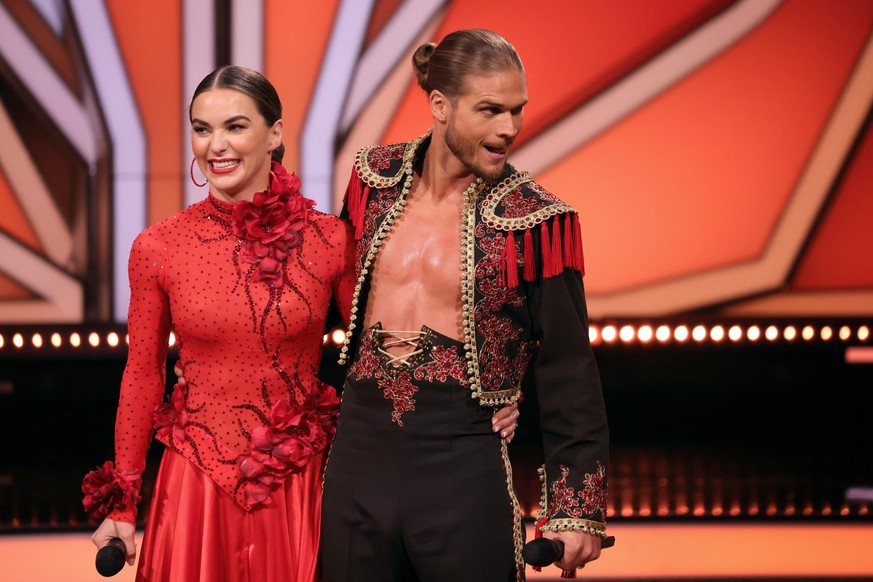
627,334
597,333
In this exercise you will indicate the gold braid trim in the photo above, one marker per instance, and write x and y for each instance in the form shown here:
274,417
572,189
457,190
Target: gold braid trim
517,527
375,180
594,528
544,496
468,262
511,183
497,397
468,306
468,285
378,237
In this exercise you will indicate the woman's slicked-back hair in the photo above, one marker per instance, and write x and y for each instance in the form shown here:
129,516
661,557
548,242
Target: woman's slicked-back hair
445,66
250,83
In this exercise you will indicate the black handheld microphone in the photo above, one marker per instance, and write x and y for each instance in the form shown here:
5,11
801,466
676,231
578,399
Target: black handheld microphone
544,551
111,558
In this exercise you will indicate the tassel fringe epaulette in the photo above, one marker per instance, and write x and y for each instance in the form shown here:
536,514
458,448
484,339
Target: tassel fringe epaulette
557,252
356,202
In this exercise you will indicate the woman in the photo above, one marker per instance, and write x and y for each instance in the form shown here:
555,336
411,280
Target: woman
244,279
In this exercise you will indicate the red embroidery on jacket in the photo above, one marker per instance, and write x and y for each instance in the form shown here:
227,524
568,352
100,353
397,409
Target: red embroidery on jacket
490,242
520,362
544,194
516,204
495,295
376,209
497,332
565,499
380,158
594,494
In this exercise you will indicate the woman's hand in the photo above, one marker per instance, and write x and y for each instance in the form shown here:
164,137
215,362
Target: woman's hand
116,529
505,421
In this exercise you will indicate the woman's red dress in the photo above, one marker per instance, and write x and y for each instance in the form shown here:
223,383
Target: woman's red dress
238,494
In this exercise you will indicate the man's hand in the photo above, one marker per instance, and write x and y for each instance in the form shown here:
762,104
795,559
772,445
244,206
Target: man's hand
579,548
505,421
180,374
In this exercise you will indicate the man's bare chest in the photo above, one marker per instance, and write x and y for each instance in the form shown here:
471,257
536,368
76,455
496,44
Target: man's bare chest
424,241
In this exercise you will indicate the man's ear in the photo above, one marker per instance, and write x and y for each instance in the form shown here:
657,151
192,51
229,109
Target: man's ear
439,106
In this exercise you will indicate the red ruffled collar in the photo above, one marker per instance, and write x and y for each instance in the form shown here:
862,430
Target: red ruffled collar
269,225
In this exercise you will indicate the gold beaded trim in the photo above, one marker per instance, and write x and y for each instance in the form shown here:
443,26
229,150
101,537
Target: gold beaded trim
489,205
497,397
517,531
378,237
468,286
375,180
588,526
468,307
594,528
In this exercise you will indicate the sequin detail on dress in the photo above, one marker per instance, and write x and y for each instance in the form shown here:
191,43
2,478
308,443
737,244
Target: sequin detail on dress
250,339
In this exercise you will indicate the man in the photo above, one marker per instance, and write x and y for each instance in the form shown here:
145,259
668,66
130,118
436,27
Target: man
466,270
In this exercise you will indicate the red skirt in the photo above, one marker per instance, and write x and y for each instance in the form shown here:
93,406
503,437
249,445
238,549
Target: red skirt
196,532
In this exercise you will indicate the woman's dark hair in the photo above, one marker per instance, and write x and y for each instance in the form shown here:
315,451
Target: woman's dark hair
444,67
251,83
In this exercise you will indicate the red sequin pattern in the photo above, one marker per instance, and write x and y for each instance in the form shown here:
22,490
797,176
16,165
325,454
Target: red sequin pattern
247,345
399,390
446,362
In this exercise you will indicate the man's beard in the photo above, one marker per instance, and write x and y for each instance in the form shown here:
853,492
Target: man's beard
466,152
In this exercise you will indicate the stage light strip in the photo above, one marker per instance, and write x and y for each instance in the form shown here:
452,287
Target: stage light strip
800,333
599,334
859,355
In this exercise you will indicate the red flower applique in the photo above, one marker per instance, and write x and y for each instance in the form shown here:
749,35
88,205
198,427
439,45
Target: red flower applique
269,225
285,445
106,490
171,418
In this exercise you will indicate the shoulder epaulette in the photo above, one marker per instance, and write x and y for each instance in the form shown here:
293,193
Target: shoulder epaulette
517,204
377,167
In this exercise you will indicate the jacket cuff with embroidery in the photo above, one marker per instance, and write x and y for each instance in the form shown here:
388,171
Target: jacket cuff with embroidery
567,508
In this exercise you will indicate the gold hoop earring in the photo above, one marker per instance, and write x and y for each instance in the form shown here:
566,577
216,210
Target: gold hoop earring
191,172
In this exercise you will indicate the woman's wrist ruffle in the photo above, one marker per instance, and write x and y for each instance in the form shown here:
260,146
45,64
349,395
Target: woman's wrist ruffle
109,490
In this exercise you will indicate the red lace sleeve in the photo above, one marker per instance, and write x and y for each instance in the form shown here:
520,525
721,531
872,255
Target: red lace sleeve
142,386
